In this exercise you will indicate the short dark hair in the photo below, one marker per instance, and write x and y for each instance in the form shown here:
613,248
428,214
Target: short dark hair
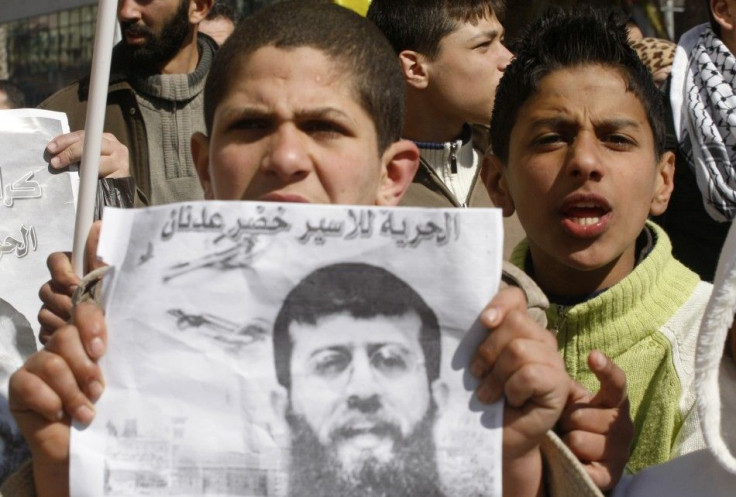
224,9
420,25
355,45
567,39
16,98
361,290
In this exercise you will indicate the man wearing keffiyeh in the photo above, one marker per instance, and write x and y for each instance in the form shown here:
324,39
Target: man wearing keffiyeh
702,97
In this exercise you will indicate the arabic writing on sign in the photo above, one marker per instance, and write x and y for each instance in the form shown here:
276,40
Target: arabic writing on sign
263,224
182,219
21,188
405,232
21,246
240,239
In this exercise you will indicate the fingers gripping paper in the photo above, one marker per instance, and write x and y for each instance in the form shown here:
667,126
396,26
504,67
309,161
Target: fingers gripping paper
283,350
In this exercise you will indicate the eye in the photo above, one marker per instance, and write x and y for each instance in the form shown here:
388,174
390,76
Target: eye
330,363
484,45
619,141
392,360
323,128
250,124
548,140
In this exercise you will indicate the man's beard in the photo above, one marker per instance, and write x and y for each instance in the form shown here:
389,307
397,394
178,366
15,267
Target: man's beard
316,470
159,48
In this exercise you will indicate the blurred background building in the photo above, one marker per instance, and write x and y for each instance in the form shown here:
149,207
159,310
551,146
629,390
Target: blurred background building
46,44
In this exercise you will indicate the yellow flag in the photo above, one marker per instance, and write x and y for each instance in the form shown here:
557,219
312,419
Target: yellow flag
359,6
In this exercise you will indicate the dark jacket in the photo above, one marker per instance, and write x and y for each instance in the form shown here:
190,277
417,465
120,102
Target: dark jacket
123,117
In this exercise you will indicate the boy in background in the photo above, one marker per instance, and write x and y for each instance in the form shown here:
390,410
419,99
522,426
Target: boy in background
452,56
578,152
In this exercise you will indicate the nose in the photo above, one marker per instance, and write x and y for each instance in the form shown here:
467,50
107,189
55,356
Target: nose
504,58
128,10
584,159
287,156
362,389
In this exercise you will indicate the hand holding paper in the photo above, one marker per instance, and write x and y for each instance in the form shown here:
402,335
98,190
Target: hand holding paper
519,360
56,385
56,293
65,150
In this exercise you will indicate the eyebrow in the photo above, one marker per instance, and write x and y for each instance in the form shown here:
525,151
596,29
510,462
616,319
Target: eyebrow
618,123
259,112
491,33
612,123
322,113
371,347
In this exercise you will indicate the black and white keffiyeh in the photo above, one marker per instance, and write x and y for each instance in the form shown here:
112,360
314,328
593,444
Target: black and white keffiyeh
703,98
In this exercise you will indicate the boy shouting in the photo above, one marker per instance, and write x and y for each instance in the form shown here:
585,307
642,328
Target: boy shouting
578,143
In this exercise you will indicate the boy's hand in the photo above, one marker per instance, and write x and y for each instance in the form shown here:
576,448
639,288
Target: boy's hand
56,294
65,150
598,428
519,360
55,385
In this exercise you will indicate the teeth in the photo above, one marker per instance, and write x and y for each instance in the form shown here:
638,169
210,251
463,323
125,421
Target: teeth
586,221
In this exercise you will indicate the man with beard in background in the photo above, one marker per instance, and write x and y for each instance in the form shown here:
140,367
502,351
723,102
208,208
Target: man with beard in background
154,102
357,351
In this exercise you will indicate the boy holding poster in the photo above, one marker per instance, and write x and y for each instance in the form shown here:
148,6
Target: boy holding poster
285,114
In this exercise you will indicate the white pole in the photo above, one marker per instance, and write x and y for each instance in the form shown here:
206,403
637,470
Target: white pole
96,102
669,18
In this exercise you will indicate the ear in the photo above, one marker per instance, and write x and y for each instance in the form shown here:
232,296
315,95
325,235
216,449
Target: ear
664,184
493,174
413,65
440,394
723,14
198,10
279,398
200,146
399,164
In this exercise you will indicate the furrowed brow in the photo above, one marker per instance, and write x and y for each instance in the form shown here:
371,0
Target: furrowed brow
247,112
621,123
322,113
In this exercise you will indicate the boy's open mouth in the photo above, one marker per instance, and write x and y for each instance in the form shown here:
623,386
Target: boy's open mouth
585,215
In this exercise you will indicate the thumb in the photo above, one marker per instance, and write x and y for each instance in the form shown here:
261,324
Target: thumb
612,379
90,250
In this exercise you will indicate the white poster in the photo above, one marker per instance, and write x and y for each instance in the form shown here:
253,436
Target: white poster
268,349
37,212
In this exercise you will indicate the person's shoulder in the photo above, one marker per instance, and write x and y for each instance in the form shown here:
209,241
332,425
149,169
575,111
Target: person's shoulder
690,312
62,98
537,302
77,92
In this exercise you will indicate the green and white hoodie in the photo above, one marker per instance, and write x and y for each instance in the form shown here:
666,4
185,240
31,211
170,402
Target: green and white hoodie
648,324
